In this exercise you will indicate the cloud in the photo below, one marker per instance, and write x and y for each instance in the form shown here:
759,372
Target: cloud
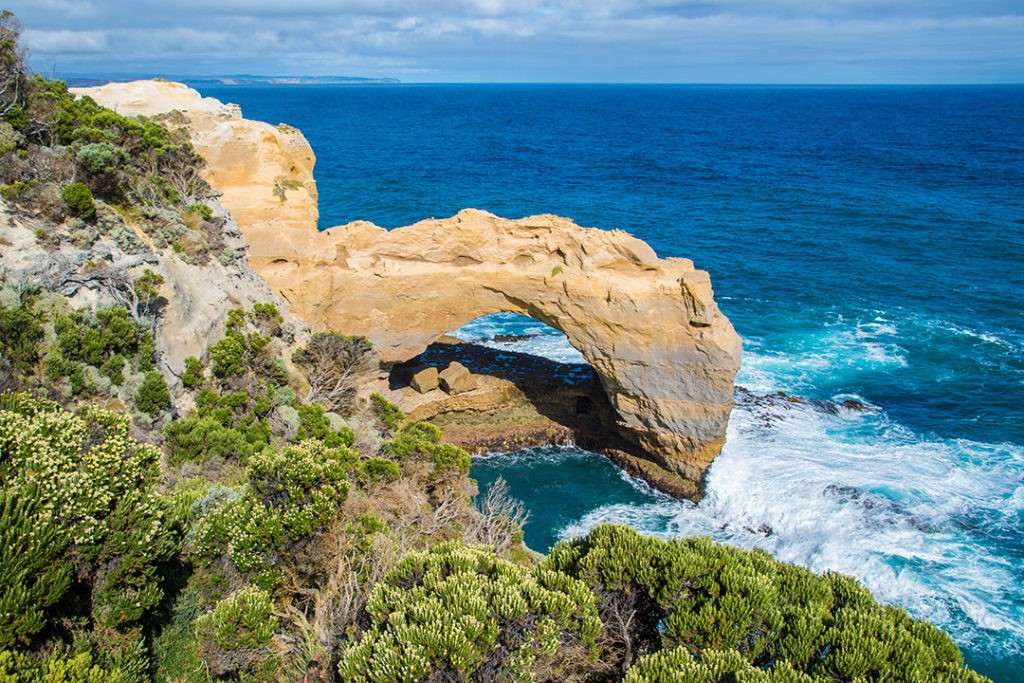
538,40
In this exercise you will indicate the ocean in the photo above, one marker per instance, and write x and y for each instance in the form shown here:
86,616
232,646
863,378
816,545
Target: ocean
867,244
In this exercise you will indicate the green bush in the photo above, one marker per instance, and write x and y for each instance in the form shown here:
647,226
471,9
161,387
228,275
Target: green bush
98,339
201,210
713,666
20,334
34,573
236,632
314,424
114,369
423,439
198,439
291,493
84,476
700,596
153,394
379,469
192,378
79,200
460,613
388,413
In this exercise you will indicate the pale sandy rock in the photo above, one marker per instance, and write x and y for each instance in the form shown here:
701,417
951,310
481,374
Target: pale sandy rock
665,354
456,379
425,380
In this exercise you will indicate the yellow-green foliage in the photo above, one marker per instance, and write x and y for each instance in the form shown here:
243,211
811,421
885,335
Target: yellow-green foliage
290,493
58,667
86,486
235,633
713,666
34,574
423,439
461,613
700,596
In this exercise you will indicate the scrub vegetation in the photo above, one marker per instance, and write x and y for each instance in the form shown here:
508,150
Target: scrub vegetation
257,518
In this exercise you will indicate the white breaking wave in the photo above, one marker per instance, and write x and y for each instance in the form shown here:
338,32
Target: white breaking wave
936,526
855,493
539,339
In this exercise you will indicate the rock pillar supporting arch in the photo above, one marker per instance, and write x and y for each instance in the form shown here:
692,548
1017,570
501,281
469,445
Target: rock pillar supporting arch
666,355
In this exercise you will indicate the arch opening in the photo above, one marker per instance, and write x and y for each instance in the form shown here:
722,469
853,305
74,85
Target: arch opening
527,386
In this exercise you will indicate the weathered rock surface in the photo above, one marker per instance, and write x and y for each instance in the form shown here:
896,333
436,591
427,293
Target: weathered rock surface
197,299
264,172
425,380
456,379
665,354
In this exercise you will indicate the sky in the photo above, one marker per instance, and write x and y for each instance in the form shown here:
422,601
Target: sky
609,41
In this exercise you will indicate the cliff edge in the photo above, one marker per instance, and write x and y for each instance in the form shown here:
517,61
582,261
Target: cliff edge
665,355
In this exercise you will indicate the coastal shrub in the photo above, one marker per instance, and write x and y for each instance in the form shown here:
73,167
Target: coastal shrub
314,424
379,469
20,334
200,438
700,596
387,413
235,634
99,339
423,440
248,355
712,666
113,369
291,493
34,573
192,377
77,491
201,210
79,200
153,395
333,364
462,613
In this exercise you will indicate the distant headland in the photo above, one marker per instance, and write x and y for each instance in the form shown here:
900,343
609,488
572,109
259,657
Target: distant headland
236,79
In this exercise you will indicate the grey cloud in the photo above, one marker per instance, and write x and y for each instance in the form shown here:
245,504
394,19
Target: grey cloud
569,40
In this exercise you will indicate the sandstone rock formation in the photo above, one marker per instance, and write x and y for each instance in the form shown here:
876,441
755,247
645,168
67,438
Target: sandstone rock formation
425,380
665,354
456,379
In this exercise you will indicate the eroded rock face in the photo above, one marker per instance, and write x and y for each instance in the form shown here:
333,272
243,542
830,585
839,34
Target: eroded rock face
665,354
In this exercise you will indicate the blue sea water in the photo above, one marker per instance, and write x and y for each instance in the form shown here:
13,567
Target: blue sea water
866,242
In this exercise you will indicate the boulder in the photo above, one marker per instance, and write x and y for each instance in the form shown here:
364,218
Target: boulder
425,380
336,421
456,379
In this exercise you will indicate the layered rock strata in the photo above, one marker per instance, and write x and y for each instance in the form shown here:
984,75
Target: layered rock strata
665,355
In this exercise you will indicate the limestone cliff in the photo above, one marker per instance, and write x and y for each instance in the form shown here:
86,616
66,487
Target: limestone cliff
96,272
665,355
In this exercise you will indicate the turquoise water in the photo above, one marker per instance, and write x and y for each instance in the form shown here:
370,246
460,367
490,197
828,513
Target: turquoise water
866,242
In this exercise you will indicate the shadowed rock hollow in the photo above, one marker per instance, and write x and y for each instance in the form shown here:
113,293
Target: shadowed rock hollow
665,354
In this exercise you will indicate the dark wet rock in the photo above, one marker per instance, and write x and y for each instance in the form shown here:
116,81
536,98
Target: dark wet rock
773,407
513,337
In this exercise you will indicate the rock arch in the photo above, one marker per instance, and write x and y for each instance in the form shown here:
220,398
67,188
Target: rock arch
649,327
665,354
